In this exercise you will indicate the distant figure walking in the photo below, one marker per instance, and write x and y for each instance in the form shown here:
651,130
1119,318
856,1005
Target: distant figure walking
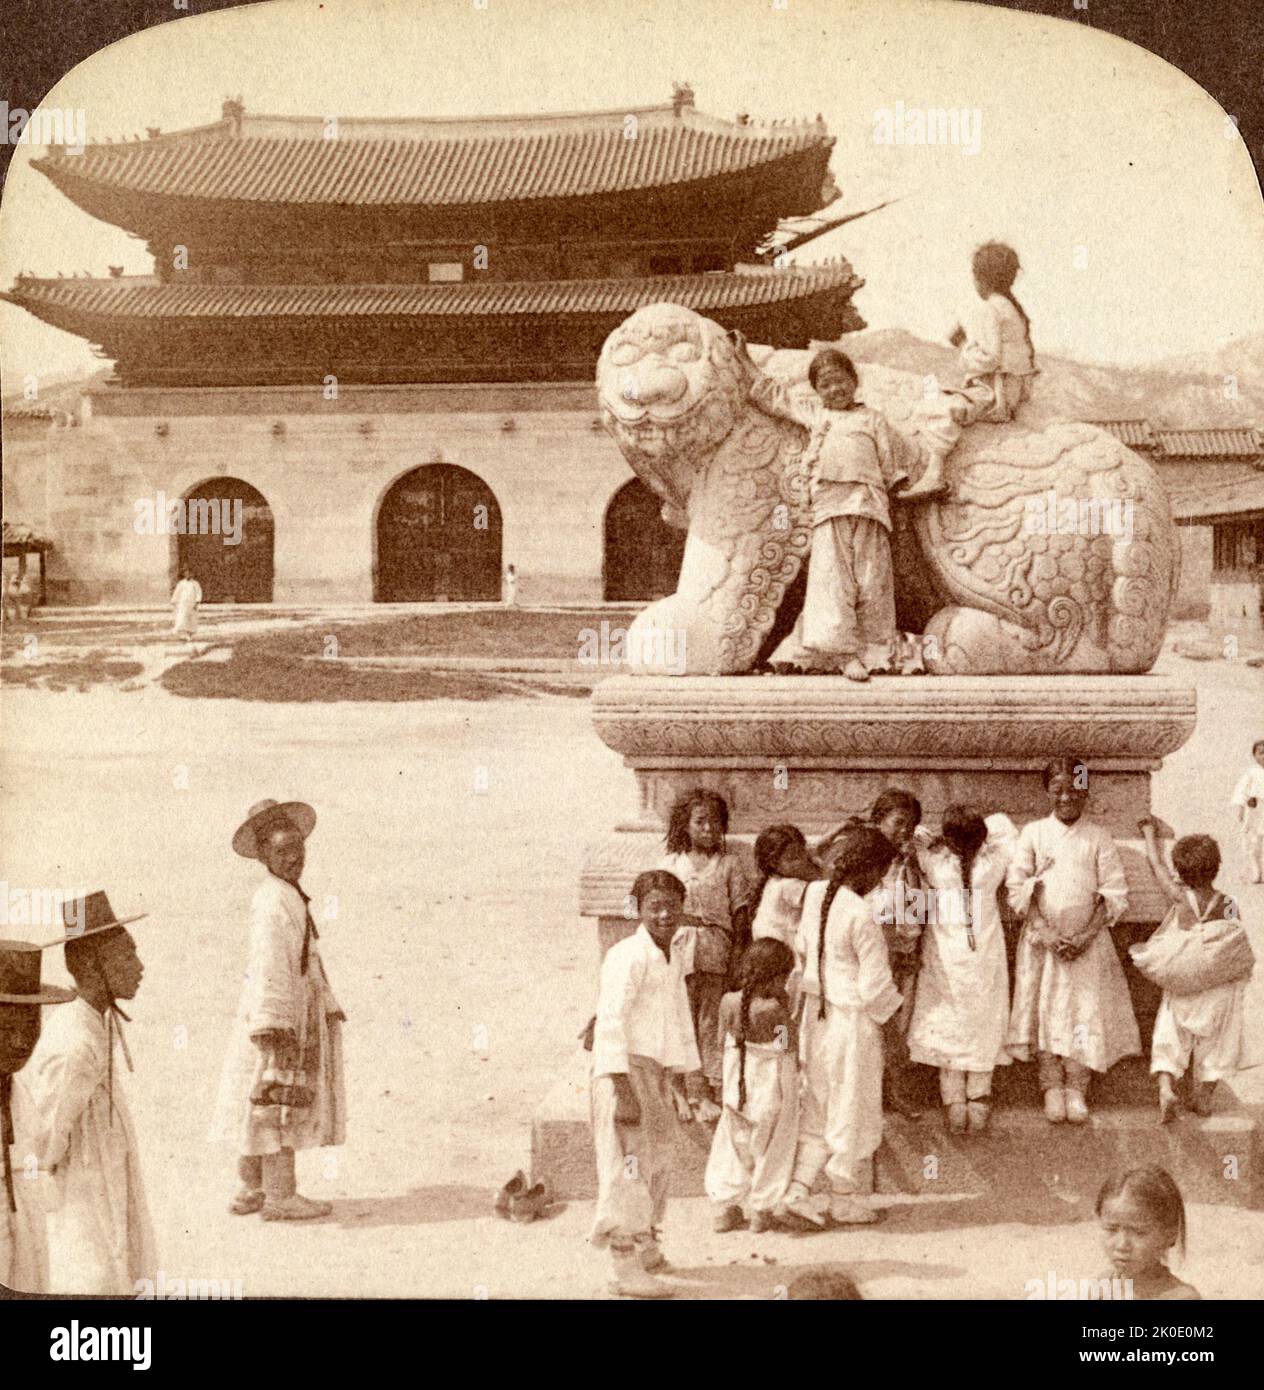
510,592
14,608
185,598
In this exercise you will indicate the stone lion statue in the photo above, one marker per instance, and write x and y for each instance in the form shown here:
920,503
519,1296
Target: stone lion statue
995,574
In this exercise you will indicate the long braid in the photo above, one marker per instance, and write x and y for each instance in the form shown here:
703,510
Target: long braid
827,902
964,832
741,1044
863,857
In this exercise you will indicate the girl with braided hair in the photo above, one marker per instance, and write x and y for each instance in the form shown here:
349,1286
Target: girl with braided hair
753,1150
962,1008
848,995
996,355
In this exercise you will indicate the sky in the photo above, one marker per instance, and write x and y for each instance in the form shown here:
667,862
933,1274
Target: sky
1127,192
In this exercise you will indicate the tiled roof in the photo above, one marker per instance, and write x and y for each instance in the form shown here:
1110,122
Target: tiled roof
433,163
1237,442
1233,498
1242,442
63,299
1134,433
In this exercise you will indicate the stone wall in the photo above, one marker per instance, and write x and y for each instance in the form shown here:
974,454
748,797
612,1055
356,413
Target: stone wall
323,467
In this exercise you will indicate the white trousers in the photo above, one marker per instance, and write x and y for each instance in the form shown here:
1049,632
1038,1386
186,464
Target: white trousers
634,1162
752,1154
1253,843
840,1117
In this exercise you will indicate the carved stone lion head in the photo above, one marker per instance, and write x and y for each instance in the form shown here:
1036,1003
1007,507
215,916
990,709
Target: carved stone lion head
670,389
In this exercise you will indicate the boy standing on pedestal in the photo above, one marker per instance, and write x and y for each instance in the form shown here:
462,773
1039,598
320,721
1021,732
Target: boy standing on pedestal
855,460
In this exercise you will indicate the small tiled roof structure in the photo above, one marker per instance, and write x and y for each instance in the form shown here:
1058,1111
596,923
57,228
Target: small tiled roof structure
1135,433
1236,442
1234,500
21,539
68,301
1242,442
415,162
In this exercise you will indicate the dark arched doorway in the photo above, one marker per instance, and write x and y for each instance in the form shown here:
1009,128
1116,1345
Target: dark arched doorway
226,541
641,552
438,538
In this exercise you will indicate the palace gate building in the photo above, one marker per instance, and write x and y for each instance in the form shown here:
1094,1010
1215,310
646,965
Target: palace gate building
379,337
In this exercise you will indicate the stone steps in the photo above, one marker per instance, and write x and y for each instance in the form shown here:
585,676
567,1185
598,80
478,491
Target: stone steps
1022,1162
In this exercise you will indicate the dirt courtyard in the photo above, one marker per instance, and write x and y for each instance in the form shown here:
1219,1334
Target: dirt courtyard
444,868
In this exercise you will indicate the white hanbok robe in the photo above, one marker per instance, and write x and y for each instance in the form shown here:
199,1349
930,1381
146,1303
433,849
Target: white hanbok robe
100,1236
278,995
961,1010
23,1238
1079,1009
185,598
1251,788
840,1055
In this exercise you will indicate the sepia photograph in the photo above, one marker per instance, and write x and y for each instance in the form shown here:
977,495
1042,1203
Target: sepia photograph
633,664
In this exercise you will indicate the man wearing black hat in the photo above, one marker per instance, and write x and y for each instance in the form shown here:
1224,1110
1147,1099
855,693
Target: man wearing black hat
23,1240
100,1236
283,1087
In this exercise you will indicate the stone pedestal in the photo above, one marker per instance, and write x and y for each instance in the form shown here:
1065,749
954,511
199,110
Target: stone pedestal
812,751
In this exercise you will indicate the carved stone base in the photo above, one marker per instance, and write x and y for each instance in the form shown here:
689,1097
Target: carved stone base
812,751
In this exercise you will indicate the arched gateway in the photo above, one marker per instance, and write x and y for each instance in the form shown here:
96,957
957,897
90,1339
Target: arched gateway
438,538
641,552
225,540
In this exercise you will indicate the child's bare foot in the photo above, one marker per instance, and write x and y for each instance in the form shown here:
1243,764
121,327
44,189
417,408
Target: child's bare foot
855,669
1055,1105
1169,1105
1076,1108
958,1117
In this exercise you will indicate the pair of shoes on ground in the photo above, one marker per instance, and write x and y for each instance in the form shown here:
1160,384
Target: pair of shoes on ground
732,1218
1065,1103
519,1201
295,1207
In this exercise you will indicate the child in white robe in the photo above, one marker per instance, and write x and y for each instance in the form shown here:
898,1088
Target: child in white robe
753,1150
1248,801
100,1236
715,927
848,994
783,857
996,357
1071,1008
855,460
643,1046
961,1011
1199,1033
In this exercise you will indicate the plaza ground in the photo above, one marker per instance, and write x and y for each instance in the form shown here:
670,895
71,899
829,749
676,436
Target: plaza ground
450,835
